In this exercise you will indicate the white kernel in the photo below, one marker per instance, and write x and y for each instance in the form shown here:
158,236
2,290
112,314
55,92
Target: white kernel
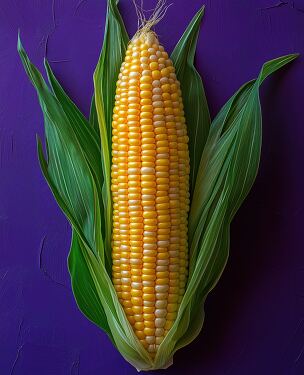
135,54
160,322
157,91
125,273
136,285
161,288
134,74
159,332
160,313
144,60
132,99
136,261
150,339
147,170
125,280
161,66
157,104
146,73
151,50
153,58
135,208
158,53
161,296
133,202
158,118
170,118
161,268
161,304
152,348
133,81
164,80
156,83
133,93
134,170
123,231
149,234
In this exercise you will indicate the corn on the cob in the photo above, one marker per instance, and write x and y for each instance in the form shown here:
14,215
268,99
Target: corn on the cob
150,190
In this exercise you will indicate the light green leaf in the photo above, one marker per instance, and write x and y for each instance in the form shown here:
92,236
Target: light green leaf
194,98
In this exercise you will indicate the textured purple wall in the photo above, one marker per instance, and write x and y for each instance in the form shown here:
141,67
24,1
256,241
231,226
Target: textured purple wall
254,322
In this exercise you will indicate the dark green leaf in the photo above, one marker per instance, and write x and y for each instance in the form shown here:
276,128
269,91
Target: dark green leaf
84,288
93,117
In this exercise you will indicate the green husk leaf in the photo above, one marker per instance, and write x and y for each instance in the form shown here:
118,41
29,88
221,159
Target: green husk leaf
194,98
82,284
67,165
105,78
93,117
68,175
227,171
86,136
72,111
83,287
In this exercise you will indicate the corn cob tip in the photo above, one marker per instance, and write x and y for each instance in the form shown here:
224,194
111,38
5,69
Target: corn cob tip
144,24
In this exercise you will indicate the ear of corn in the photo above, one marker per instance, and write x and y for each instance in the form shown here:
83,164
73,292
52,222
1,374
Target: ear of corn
152,308
150,189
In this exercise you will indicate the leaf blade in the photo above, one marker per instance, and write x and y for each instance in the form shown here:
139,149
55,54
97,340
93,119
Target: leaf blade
194,98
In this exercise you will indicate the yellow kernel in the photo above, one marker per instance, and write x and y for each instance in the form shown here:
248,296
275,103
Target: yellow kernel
153,65
156,74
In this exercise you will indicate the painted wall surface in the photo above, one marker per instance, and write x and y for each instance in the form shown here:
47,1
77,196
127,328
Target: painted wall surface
255,316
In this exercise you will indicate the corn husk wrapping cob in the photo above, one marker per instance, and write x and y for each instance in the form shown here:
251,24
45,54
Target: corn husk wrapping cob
224,157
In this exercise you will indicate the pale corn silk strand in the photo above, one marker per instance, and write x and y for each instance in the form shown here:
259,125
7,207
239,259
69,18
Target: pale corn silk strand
150,186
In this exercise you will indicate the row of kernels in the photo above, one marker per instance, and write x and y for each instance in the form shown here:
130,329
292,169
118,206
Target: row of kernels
184,169
134,205
116,270
120,230
148,186
162,205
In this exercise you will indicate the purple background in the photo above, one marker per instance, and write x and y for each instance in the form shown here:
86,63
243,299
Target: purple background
254,318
